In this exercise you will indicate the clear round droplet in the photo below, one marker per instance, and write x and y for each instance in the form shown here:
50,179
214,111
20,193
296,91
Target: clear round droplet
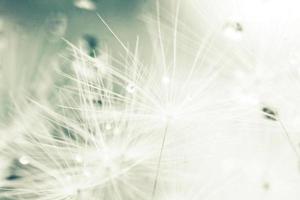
85,4
90,45
131,88
24,160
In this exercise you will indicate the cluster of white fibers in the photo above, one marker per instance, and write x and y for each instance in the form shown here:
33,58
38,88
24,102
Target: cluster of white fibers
172,126
263,33
23,74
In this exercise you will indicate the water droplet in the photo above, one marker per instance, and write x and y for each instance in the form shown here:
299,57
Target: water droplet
12,177
85,4
269,113
24,160
98,102
233,30
130,88
90,45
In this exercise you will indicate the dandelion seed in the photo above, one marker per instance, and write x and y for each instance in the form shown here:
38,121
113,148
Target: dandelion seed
166,118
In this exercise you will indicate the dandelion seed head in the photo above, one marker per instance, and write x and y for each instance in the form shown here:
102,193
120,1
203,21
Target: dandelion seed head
111,151
90,45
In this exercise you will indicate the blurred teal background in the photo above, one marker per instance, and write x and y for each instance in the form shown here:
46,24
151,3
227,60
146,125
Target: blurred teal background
31,44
